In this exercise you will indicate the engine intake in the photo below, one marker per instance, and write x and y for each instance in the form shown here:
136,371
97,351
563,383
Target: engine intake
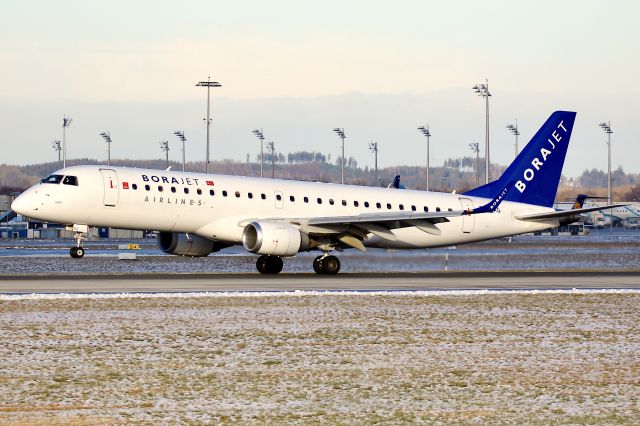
274,238
186,245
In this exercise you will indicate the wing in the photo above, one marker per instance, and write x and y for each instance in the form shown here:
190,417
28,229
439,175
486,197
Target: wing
566,213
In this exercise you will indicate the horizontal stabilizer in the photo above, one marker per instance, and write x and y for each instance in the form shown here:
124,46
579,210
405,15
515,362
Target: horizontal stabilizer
565,213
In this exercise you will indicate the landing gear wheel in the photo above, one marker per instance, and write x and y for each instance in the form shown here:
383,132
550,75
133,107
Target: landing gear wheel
76,252
317,265
269,264
330,265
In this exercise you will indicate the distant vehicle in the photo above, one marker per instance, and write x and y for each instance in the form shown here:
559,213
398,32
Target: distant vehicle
197,214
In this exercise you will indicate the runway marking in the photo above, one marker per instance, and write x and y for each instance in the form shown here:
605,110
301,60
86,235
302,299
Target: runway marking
306,293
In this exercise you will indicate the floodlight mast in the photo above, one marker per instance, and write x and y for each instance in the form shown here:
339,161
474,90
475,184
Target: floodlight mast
475,148
56,147
208,84
164,145
340,132
259,135
514,130
107,138
606,127
483,91
180,135
425,131
66,122
373,146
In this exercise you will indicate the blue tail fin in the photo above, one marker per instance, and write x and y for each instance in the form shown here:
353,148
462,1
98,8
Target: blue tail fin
535,173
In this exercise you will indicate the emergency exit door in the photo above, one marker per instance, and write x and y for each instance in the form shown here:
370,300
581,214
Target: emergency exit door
468,220
111,185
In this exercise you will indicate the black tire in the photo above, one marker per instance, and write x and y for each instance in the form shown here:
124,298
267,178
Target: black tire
79,252
317,265
331,265
262,264
73,251
275,264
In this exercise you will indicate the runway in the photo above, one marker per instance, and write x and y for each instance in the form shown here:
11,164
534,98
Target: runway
154,283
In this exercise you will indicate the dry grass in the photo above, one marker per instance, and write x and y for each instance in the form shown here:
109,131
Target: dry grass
535,359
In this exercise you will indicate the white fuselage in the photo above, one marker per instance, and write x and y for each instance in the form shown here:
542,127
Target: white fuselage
218,207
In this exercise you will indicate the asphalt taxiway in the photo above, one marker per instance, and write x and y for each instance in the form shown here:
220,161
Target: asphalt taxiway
153,283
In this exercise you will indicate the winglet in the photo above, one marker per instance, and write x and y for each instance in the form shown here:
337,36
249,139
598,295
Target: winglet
493,205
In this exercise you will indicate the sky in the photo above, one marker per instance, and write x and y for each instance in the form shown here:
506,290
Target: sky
298,69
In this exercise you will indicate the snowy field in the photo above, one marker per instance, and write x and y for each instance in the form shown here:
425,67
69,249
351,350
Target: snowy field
563,357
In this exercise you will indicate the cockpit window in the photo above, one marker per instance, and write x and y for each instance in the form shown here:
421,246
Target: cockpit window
52,179
70,180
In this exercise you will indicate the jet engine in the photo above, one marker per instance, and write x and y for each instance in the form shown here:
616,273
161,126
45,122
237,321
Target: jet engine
186,245
274,238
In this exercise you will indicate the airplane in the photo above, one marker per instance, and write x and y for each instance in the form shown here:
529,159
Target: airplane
197,214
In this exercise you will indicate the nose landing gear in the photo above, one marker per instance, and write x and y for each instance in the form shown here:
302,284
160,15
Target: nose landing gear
80,234
326,265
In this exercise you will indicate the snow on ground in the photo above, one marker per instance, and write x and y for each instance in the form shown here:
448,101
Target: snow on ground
542,357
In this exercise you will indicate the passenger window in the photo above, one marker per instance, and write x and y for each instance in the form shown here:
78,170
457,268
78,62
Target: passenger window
450,209
186,190
344,202
250,195
212,192
52,179
389,206
134,186
173,189
292,198
331,201
199,191
160,189
224,193
426,209
401,206
356,204
437,209
366,204
306,199
70,180
278,197
413,208
147,187
378,205
237,194
319,200
263,196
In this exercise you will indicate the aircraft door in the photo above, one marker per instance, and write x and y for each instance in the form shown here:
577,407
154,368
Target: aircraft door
468,221
111,191
279,199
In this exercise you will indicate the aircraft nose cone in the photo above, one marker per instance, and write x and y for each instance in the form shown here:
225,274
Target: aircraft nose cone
22,205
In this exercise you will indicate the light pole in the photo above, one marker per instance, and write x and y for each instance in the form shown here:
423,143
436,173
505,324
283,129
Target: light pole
475,147
514,130
483,90
425,131
606,127
340,132
180,135
164,145
373,146
66,122
208,84
260,136
56,147
444,182
271,147
107,138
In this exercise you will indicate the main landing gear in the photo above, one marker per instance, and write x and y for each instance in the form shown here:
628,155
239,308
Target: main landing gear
326,265
80,234
269,264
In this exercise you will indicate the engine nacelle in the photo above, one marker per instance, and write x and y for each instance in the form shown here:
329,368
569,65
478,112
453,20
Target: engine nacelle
186,245
274,238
